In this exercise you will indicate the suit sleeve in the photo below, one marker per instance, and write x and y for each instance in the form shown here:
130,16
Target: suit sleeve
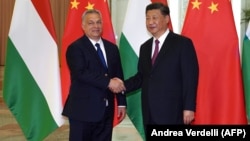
134,82
121,98
190,72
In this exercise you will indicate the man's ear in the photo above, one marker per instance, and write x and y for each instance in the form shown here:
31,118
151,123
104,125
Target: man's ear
167,17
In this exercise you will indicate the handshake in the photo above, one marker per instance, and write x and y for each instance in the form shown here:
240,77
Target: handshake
116,85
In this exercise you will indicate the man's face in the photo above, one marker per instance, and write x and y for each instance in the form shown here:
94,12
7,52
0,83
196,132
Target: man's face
92,26
156,22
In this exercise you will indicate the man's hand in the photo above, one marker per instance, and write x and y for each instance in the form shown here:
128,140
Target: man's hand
121,113
188,116
116,85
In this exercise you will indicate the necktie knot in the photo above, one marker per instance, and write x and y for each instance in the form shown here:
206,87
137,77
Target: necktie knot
97,46
157,42
156,51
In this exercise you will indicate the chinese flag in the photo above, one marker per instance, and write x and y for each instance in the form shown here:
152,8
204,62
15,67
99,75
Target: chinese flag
220,100
73,31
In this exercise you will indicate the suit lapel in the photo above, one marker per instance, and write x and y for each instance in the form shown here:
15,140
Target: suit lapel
148,50
107,52
163,51
89,46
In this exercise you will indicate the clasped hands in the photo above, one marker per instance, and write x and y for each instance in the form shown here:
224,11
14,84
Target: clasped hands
116,85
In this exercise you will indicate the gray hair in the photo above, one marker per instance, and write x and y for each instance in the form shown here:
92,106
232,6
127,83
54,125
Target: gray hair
90,11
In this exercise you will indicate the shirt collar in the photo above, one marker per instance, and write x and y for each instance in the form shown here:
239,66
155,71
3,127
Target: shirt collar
94,42
163,36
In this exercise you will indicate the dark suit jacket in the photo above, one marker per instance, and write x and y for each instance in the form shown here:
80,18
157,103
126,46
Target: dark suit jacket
89,80
170,86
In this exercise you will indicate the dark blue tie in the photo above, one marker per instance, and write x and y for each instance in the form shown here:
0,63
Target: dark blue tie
101,56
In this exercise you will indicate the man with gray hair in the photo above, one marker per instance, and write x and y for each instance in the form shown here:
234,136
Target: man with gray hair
95,70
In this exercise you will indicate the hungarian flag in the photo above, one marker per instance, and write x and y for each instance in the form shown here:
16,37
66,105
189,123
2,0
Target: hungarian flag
32,88
134,33
246,68
73,30
220,98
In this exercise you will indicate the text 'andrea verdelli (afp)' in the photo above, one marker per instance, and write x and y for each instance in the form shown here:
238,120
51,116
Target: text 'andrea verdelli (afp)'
217,132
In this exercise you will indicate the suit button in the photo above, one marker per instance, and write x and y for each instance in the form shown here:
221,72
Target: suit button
105,74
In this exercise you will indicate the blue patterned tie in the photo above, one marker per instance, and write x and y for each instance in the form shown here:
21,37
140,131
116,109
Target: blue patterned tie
101,56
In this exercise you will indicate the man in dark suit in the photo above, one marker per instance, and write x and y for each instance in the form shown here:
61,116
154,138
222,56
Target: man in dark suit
90,103
168,83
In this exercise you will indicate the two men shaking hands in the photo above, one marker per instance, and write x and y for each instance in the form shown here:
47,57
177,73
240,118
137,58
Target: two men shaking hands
116,85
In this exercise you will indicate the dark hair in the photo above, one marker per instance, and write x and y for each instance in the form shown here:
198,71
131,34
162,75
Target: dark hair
157,5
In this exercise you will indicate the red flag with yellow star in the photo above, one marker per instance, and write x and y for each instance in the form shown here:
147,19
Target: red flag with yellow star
220,98
73,31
